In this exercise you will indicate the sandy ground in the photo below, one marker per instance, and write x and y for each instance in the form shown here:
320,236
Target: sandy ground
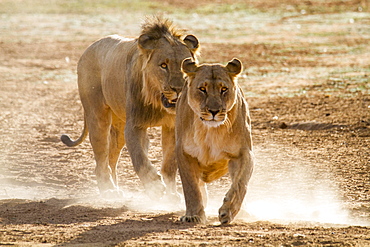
307,83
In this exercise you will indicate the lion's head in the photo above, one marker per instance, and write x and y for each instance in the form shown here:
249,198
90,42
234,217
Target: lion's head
162,50
212,89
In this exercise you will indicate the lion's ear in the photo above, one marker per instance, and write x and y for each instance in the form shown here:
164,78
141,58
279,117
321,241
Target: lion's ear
191,42
234,67
147,42
188,66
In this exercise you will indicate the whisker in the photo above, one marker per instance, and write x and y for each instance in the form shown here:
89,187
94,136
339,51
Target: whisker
227,124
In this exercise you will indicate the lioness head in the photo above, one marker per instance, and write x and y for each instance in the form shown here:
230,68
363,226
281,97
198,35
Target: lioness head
163,50
212,89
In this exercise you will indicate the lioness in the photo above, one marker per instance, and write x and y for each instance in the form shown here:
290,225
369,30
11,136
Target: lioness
213,136
126,86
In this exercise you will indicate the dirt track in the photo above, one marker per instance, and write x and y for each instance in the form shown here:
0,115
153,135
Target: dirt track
307,83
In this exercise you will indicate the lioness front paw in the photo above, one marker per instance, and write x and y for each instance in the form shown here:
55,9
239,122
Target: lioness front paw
225,216
193,219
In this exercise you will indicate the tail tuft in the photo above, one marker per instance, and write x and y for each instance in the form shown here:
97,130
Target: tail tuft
68,141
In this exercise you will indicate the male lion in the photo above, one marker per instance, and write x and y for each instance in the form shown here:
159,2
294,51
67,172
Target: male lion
213,136
126,86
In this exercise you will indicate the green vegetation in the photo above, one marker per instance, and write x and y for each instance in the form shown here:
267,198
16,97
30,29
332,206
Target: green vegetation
281,7
76,6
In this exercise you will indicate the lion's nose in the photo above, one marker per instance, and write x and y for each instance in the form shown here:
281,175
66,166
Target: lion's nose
214,112
177,90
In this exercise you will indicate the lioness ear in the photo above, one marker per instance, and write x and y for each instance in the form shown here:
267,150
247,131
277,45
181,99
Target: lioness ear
234,67
191,42
147,42
188,66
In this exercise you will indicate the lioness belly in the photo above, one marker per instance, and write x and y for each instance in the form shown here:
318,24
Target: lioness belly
213,171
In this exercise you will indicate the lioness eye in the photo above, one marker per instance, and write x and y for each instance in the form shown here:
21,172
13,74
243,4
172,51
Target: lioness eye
164,66
203,89
224,89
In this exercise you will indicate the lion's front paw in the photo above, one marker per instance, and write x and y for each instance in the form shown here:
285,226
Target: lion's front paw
193,219
172,198
155,189
112,194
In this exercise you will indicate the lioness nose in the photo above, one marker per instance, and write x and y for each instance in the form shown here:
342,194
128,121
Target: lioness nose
214,112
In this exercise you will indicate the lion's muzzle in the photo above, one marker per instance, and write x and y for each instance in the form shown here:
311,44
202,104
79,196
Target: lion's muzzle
168,103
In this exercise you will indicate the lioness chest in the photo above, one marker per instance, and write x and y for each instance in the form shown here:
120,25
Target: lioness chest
211,145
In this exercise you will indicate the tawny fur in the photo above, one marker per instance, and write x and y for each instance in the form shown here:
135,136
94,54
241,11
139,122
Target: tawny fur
126,86
213,137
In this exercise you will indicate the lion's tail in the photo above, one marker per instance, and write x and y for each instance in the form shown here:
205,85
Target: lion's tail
70,143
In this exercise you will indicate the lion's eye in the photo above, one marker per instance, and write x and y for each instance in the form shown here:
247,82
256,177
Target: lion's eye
163,66
203,89
224,89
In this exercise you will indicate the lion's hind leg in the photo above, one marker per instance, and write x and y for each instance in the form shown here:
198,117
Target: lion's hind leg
99,119
116,143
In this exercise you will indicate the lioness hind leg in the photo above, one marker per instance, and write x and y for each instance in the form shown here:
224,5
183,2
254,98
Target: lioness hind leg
193,219
203,190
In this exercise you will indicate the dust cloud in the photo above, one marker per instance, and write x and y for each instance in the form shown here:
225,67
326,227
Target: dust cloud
287,188
290,188
284,187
